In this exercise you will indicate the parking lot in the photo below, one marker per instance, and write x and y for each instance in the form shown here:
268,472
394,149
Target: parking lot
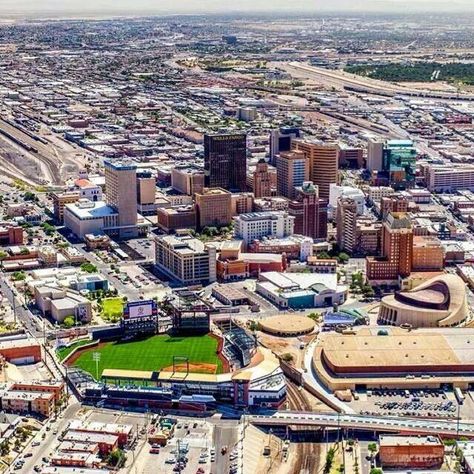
189,451
418,403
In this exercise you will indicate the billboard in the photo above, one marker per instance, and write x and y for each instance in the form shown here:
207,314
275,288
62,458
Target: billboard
140,309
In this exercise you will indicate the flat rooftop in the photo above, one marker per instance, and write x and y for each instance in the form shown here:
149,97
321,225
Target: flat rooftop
390,440
94,211
431,350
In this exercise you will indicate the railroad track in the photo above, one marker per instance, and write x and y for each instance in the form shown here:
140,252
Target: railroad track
307,459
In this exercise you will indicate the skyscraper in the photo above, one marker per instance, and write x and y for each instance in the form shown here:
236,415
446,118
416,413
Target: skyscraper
399,163
346,223
397,250
225,161
292,171
262,180
374,155
280,140
214,207
121,195
323,160
310,212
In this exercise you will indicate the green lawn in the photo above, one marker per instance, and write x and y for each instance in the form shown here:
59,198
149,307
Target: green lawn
63,352
151,354
112,308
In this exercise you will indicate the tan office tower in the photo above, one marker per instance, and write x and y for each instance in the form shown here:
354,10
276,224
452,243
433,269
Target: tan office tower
323,160
146,187
397,250
262,180
214,207
292,171
375,155
346,224
187,179
121,195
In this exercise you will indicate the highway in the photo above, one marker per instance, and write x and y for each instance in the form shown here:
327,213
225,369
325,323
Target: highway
451,428
340,79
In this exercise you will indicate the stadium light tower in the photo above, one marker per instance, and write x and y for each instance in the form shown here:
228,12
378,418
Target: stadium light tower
96,359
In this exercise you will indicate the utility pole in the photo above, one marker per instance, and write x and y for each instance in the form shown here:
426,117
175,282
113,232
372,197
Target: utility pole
14,307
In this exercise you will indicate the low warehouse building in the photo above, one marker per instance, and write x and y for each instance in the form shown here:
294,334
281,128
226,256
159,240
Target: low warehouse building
301,290
411,452
395,358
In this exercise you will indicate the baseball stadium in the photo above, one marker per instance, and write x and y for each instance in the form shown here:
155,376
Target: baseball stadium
173,359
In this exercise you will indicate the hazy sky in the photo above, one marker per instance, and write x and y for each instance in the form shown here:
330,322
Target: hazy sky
191,6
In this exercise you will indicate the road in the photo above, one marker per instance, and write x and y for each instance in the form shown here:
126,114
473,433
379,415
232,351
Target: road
46,446
340,79
225,434
364,454
33,324
392,424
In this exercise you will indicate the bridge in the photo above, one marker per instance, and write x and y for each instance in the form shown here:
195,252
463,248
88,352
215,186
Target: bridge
444,428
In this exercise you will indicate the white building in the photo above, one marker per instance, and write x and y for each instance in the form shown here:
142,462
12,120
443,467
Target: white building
301,290
88,190
376,193
256,225
449,178
336,191
186,259
88,217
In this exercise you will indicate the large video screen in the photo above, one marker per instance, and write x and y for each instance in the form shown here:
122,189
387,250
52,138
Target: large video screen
141,310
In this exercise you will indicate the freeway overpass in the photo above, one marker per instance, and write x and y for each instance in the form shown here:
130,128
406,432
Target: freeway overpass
341,79
445,428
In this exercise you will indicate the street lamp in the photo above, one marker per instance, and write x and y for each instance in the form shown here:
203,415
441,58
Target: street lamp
457,423
96,359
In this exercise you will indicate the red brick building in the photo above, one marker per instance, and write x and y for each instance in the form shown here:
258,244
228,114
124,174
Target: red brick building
11,234
411,452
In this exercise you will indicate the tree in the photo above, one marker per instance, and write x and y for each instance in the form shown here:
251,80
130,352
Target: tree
4,448
69,322
343,257
17,445
376,470
116,458
254,325
29,196
48,228
88,268
287,357
19,276
323,255
372,447
329,460
368,291
314,316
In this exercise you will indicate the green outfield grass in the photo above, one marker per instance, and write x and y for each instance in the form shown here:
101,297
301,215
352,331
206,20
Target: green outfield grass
65,351
153,353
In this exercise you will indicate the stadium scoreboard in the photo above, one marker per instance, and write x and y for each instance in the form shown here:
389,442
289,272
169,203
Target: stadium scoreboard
140,317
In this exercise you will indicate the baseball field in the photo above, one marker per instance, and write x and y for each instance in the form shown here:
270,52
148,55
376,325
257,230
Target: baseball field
153,354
